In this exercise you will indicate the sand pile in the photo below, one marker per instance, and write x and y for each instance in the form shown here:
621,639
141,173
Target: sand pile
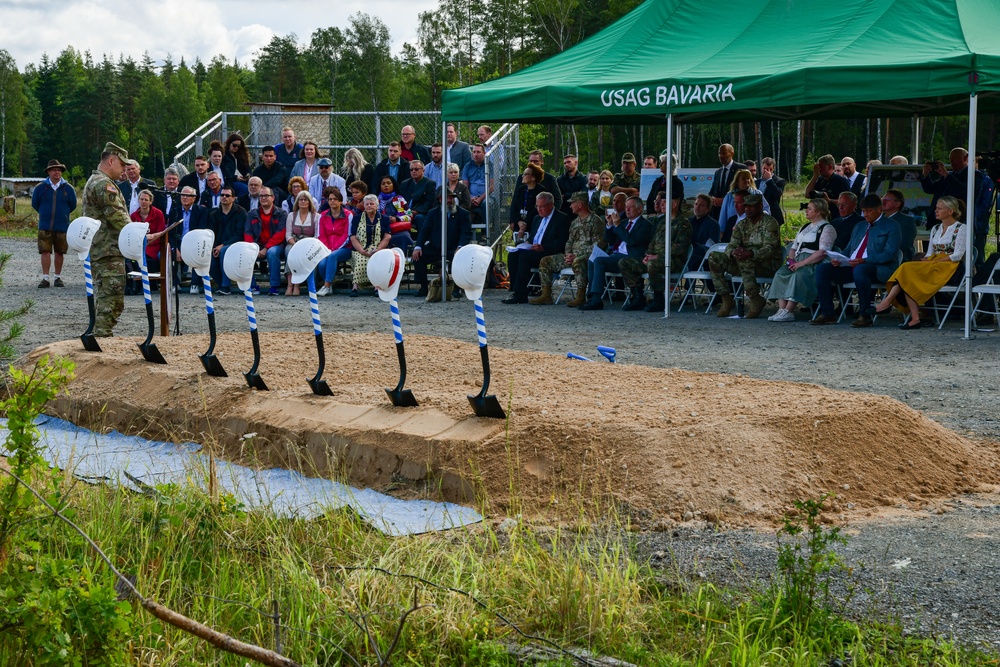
668,445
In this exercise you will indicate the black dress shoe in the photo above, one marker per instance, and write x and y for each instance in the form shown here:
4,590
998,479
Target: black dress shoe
422,292
514,299
592,305
861,322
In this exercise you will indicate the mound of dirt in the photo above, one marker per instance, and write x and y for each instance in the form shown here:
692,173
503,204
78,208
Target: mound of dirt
668,445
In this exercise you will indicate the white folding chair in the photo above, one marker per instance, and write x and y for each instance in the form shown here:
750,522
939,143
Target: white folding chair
954,291
568,280
700,276
610,288
852,291
991,286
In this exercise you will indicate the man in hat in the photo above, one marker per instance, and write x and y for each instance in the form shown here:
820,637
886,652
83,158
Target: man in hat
326,178
428,244
627,180
54,199
103,201
754,250
585,230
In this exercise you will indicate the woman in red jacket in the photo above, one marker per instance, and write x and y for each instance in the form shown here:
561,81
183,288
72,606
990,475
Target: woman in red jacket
335,233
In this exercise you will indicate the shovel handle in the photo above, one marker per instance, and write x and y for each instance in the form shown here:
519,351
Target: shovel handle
209,300
314,307
484,354
397,327
480,322
255,339
251,313
88,277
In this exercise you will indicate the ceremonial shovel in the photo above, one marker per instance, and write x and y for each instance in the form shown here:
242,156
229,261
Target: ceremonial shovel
87,337
211,362
483,405
318,386
400,397
253,378
147,347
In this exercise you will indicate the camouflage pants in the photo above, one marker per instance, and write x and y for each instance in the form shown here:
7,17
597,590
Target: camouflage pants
109,293
632,270
550,267
720,263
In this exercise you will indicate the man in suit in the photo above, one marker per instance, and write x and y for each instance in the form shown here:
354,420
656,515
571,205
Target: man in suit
723,178
192,216
410,149
773,187
394,165
874,255
427,249
847,206
326,178
212,196
168,198
132,184
628,237
456,151
197,178
251,200
754,250
853,176
892,208
547,237
418,192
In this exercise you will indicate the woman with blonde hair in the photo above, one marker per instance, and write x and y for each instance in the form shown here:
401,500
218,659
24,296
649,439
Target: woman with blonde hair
920,280
601,199
356,168
303,222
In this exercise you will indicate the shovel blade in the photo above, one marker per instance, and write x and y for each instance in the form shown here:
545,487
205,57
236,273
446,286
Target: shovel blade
255,381
151,354
90,343
213,366
487,406
402,398
319,387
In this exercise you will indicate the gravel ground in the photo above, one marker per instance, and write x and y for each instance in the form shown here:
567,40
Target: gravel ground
926,570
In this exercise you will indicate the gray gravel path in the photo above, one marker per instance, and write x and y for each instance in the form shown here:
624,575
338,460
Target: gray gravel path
947,587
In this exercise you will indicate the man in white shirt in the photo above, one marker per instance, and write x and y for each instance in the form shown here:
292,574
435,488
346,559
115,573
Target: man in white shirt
324,179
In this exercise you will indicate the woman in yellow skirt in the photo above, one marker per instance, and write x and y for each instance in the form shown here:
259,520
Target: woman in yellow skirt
920,280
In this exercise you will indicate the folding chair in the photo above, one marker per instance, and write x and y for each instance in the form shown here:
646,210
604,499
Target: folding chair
991,286
610,288
568,280
954,291
701,275
852,291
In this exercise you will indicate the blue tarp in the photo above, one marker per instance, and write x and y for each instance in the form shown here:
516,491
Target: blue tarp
96,457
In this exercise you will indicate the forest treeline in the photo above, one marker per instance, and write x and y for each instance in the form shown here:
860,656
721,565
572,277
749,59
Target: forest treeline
68,104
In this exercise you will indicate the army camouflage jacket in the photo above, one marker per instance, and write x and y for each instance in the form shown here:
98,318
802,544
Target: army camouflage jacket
583,233
102,200
623,181
763,238
680,239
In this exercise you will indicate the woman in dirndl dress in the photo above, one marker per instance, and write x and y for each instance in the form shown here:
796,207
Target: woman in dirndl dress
369,234
920,280
795,282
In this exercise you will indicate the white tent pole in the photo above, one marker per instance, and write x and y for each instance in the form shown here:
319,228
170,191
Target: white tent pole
917,127
970,209
669,187
444,208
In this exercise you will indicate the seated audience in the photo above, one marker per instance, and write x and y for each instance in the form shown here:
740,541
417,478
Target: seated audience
418,191
892,208
196,179
654,263
427,249
627,236
754,250
874,255
847,205
266,227
356,168
795,282
458,187
358,191
297,184
303,222
369,234
251,200
325,178
306,167
547,236
393,165
393,206
585,231
335,233
705,230
287,153
210,197
272,173
229,222
236,160
918,281
826,183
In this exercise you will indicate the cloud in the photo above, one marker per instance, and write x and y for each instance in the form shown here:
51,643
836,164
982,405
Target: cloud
182,28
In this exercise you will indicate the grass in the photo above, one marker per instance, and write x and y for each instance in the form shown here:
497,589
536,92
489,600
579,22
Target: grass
577,588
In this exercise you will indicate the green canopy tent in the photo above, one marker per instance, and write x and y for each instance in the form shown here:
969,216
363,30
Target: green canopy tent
685,61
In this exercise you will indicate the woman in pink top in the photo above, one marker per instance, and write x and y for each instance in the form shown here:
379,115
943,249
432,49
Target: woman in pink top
154,239
334,232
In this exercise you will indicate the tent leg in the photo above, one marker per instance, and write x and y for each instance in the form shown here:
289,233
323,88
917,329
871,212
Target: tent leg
444,206
970,198
669,187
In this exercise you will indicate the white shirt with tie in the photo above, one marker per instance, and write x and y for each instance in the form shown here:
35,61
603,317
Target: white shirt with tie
540,234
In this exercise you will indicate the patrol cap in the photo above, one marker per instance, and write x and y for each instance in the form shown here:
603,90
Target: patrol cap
579,196
628,157
324,162
753,200
117,150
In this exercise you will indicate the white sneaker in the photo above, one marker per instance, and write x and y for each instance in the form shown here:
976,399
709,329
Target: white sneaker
784,316
324,291
194,287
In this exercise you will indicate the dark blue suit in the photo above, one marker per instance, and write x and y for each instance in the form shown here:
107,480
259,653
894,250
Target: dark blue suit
878,266
636,243
907,234
197,219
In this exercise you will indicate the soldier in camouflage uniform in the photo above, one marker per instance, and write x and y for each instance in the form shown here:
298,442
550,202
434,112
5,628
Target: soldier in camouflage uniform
627,180
102,200
653,264
584,231
755,250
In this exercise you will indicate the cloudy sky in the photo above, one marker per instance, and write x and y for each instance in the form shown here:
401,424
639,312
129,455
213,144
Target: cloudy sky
185,28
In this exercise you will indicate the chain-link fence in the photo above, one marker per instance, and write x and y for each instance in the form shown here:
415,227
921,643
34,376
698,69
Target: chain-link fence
370,132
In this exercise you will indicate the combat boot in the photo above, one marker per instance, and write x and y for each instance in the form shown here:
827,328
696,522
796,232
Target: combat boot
756,305
581,295
543,299
657,305
636,300
727,305
434,291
